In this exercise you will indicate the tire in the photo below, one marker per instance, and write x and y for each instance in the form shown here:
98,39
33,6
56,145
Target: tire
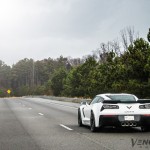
92,123
145,129
79,118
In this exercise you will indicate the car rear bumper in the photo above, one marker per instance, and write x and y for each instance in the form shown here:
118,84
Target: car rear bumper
119,120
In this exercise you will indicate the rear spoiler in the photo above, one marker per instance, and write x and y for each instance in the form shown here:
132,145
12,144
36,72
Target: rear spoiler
128,102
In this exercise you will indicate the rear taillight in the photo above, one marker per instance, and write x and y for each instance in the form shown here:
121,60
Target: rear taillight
146,115
146,106
109,107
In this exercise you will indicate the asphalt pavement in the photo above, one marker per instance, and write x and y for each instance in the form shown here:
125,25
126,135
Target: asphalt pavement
41,124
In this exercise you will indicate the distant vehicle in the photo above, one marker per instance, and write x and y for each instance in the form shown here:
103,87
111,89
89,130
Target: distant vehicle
119,110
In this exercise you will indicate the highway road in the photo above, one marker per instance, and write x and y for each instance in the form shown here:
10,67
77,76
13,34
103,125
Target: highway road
41,124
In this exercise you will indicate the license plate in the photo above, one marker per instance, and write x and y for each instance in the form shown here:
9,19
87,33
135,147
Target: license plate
128,117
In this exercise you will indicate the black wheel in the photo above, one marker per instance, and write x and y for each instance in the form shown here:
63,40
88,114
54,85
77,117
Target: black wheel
92,123
145,129
79,119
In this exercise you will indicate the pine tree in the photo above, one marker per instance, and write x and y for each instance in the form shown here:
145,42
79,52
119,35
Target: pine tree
148,35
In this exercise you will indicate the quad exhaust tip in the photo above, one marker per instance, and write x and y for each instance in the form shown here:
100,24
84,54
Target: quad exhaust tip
128,124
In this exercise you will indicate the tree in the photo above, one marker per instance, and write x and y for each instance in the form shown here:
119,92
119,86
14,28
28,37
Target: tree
57,81
137,58
79,81
148,35
128,36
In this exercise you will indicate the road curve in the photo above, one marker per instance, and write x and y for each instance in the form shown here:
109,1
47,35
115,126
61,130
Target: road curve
41,124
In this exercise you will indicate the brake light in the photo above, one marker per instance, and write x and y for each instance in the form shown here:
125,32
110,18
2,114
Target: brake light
146,115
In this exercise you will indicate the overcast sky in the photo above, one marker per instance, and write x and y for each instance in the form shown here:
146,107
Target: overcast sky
41,29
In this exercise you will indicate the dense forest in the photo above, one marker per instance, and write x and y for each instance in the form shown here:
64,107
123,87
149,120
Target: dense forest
113,67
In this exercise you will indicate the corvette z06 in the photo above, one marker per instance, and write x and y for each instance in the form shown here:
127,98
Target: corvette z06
119,110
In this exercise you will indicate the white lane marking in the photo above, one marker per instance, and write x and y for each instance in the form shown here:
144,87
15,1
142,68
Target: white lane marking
41,114
66,127
29,108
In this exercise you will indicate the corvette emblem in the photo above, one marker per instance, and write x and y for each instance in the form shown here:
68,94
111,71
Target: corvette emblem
129,107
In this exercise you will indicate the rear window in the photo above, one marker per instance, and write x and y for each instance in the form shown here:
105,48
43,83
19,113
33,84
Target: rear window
122,97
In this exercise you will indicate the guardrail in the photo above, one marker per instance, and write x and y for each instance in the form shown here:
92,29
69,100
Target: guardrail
65,99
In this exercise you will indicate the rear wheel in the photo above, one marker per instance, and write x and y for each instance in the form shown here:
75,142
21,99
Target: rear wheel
145,129
92,123
79,119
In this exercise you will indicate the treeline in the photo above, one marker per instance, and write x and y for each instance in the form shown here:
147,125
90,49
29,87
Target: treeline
29,77
109,69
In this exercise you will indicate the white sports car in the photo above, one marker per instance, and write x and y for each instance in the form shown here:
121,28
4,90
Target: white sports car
124,110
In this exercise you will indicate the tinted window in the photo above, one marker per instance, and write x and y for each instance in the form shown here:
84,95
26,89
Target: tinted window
97,99
122,97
